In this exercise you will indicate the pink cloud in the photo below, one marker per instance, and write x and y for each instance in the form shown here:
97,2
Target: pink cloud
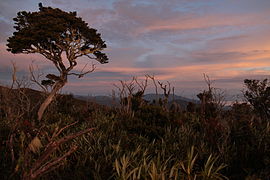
206,21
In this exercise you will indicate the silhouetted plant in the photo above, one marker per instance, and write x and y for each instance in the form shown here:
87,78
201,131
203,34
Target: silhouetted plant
258,95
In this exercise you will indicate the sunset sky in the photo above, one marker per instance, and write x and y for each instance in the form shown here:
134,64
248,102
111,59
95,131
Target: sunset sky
175,40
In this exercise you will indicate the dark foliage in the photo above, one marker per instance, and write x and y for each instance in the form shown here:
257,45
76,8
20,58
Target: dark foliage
258,95
50,31
237,138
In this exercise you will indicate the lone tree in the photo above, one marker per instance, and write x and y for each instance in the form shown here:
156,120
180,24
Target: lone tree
59,36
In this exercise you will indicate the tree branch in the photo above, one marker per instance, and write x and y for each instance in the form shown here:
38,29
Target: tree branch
50,165
36,79
81,74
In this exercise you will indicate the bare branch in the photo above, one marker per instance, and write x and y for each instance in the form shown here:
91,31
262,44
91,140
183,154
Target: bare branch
164,88
155,84
120,89
169,91
81,74
143,84
130,86
35,78
207,81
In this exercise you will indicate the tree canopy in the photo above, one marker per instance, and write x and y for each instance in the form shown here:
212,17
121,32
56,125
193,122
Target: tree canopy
51,31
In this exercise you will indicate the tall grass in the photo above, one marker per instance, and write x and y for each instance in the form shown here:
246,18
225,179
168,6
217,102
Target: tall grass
154,143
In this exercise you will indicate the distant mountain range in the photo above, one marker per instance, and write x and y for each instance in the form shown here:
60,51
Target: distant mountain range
36,96
102,100
151,97
109,101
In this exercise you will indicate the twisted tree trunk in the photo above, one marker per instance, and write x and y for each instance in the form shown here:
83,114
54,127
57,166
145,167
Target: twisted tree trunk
58,85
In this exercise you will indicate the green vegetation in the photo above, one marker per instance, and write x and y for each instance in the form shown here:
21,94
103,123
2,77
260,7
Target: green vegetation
83,140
